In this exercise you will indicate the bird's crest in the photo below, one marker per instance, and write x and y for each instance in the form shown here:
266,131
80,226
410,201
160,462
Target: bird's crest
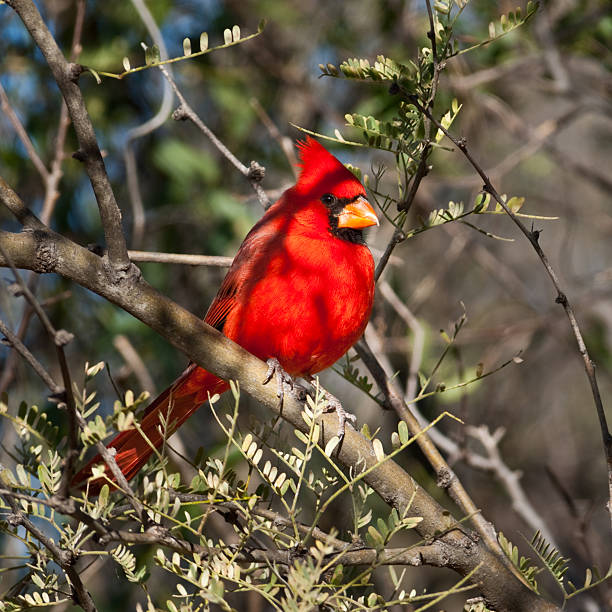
322,172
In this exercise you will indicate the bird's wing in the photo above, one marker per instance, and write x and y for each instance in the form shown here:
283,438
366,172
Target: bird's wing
247,268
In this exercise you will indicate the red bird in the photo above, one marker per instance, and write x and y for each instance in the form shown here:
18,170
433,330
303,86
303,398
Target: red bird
299,291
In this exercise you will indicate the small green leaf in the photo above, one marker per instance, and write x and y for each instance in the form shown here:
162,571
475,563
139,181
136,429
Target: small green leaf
402,430
378,449
331,445
203,41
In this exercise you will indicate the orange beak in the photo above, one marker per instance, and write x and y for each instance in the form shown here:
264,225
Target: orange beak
357,214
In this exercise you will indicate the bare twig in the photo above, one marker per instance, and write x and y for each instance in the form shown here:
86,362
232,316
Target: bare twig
419,336
284,142
20,211
432,33
469,82
55,176
517,125
66,75
552,57
138,213
22,350
398,236
493,464
181,258
510,479
536,137
10,114
254,172
135,362
51,181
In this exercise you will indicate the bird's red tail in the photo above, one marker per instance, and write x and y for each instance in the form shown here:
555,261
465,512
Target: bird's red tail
176,404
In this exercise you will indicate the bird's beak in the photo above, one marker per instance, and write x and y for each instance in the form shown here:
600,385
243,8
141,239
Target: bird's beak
357,214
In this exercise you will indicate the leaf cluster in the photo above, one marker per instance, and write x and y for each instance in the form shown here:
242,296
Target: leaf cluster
274,500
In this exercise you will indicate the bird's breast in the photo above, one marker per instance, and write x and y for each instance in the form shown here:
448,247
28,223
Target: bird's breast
310,303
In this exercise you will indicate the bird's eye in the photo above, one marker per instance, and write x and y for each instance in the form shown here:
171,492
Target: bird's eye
328,199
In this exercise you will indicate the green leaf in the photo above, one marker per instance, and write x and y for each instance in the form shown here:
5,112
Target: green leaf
203,41
402,430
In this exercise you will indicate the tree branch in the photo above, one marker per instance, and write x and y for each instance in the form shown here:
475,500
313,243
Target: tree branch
66,76
181,258
63,558
444,474
23,135
254,172
561,298
16,343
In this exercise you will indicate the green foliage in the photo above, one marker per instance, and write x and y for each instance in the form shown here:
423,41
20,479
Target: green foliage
126,559
506,24
521,563
288,488
558,566
408,135
554,563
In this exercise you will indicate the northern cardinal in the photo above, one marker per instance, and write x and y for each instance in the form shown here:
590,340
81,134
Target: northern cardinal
299,293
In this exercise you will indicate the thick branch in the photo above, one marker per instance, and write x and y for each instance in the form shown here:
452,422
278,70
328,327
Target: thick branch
66,75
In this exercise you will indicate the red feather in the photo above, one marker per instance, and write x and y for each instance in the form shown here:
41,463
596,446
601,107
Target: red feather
296,291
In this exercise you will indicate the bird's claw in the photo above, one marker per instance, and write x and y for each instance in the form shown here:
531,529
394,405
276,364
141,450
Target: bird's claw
282,378
334,405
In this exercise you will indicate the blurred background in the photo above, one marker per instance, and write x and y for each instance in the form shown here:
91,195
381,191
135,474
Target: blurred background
536,114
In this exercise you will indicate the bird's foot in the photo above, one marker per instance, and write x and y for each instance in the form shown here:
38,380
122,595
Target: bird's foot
282,378
334,405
